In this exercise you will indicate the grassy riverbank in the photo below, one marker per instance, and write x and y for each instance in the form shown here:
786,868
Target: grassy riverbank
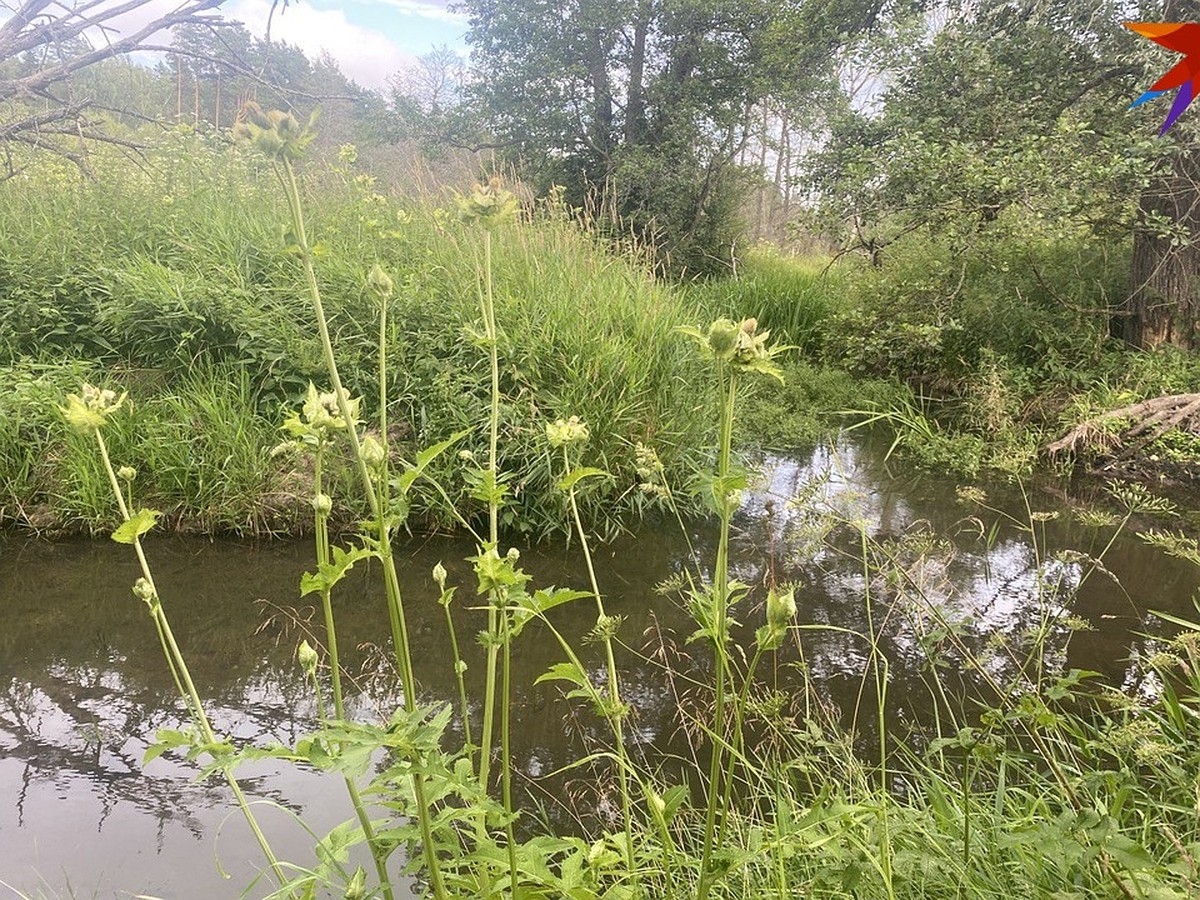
972,360
195,309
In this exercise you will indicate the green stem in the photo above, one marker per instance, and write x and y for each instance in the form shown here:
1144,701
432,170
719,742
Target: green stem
400,641
505,758
487,305
616,710
321,526
179,670
885,848
458,673
739,713
720,614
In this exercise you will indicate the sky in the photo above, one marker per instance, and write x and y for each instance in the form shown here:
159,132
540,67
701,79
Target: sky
370,39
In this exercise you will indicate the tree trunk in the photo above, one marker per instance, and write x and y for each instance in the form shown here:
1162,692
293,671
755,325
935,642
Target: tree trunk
1164,301
762,170
602,98
635,107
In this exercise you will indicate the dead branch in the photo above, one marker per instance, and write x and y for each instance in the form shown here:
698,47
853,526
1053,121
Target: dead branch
59,40
1148,420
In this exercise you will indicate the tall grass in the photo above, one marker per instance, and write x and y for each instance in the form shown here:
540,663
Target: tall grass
795,296
204,289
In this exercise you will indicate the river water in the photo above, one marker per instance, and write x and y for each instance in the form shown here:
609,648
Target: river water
83,686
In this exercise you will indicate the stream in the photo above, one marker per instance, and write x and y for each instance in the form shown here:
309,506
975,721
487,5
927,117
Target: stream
83,685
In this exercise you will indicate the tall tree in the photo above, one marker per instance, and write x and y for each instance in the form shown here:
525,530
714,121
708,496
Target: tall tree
1164,300
645,102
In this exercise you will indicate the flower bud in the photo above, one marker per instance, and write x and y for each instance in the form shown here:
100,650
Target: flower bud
781,607
566,432
439,576
722,338
144,591
91,409
489,205
127,473
373,453
379,281
322,504
307,657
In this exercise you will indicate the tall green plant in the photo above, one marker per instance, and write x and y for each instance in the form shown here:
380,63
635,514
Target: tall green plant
736,350
282,140
88,413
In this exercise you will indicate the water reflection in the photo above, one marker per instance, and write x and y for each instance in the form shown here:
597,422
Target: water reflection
83,686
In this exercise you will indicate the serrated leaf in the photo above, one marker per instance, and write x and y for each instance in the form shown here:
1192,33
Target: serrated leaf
424,457
577,475
135,526
565,671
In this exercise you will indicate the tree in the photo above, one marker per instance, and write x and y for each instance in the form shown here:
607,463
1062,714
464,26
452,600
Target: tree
1006,111
1164,300
1014,115
43,43
643,107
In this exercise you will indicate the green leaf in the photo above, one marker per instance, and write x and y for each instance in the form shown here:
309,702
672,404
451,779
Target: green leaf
572,478
332,572
137,525
405,482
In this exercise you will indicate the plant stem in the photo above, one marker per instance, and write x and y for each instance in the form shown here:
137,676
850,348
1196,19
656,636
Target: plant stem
720,616
458,674
400,641
179,669
739,712
321,527
489,324
616,711
505,757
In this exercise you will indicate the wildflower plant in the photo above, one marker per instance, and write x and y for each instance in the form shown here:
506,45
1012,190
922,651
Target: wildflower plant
89,412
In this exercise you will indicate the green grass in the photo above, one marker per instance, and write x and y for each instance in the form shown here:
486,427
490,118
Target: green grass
792,296
198,311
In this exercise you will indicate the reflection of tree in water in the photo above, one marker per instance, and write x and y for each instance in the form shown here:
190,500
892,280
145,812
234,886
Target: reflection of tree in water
82,721
947,591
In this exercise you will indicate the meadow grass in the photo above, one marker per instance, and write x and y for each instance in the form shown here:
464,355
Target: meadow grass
205,291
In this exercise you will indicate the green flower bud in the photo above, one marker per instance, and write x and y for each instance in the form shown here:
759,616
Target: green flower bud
439,576
276,134
781,607
781,610
322,504
566,432
489,205
722,338
307,657
322,411
657,805
144,591
372,452
356,888
127,473
379,281
91,411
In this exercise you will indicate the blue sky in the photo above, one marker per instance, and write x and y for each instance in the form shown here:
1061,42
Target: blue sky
370,39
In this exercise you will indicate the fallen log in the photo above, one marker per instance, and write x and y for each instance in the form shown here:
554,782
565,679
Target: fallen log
1147,420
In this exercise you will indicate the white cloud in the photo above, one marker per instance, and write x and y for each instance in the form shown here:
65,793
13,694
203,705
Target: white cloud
424,10
366,55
